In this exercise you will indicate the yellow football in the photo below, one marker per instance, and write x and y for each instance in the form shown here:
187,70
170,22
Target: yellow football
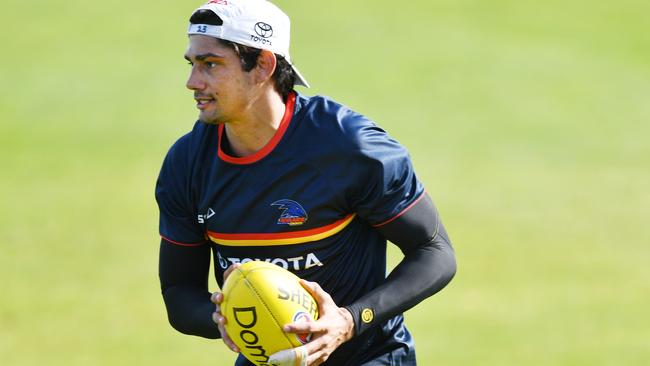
259,299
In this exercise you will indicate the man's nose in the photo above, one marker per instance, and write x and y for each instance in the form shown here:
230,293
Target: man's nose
194,82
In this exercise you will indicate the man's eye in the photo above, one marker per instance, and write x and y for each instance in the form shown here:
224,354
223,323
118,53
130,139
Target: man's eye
210,65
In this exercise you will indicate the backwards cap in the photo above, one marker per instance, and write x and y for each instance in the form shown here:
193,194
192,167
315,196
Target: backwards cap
254,23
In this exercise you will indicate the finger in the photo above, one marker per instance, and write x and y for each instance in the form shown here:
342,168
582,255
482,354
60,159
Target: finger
315,346
217,318
290,357
316,352
229,270
317,358
304,327
229,343
316,291
221,322
216,298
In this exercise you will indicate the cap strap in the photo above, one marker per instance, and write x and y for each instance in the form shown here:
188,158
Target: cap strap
207,29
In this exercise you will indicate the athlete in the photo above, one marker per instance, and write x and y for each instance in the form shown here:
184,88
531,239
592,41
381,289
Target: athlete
302,182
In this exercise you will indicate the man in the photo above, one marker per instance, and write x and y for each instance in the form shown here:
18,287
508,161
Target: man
301,182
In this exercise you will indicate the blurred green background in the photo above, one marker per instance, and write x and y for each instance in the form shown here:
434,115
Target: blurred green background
528,122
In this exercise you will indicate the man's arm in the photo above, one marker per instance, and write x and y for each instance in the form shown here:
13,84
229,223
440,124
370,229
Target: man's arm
427,267
183,272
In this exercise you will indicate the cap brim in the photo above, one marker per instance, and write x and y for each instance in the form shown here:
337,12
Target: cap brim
300,80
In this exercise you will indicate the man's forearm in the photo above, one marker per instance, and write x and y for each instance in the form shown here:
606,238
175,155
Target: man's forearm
190,311
429,264
183,275
421,273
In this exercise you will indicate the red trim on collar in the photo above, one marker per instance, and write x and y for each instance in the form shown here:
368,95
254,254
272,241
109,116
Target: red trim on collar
264,151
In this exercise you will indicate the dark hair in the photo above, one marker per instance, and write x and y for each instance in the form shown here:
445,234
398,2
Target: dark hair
284,78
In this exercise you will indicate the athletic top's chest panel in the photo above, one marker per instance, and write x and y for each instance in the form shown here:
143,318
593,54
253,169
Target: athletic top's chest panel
267,200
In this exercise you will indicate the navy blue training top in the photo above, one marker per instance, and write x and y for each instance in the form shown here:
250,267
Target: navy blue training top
308,201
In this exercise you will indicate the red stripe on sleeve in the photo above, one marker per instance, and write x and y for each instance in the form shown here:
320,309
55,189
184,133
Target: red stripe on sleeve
182,244
401,212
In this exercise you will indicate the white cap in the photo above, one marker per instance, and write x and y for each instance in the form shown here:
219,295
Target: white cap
254,23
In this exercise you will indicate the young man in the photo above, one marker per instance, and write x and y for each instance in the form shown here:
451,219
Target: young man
301,182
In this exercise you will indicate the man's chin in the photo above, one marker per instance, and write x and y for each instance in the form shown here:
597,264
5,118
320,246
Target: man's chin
210,120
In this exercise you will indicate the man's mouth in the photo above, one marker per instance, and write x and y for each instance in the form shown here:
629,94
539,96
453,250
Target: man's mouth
202,103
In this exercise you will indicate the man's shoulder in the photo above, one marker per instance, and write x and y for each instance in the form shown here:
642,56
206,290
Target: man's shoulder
192,142
326,119
320,107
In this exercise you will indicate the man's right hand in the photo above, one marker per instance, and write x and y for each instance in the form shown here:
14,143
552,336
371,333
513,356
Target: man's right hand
220,320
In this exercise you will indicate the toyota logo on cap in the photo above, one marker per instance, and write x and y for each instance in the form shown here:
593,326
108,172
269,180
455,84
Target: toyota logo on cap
263,30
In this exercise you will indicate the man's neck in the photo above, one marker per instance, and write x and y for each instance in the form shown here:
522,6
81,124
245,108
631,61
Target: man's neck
254,130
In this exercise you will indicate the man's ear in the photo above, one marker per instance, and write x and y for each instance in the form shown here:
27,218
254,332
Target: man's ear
266,63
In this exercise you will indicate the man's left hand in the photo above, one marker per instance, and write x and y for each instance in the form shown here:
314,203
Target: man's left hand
333,327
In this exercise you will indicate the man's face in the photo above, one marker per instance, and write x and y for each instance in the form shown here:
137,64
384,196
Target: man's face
222,90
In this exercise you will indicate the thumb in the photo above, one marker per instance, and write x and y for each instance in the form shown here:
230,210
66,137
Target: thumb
290,357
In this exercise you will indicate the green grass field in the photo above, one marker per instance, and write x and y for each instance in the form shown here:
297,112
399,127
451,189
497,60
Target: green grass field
529,123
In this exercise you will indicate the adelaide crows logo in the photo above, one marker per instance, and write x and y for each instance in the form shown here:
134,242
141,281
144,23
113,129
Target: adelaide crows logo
292,213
